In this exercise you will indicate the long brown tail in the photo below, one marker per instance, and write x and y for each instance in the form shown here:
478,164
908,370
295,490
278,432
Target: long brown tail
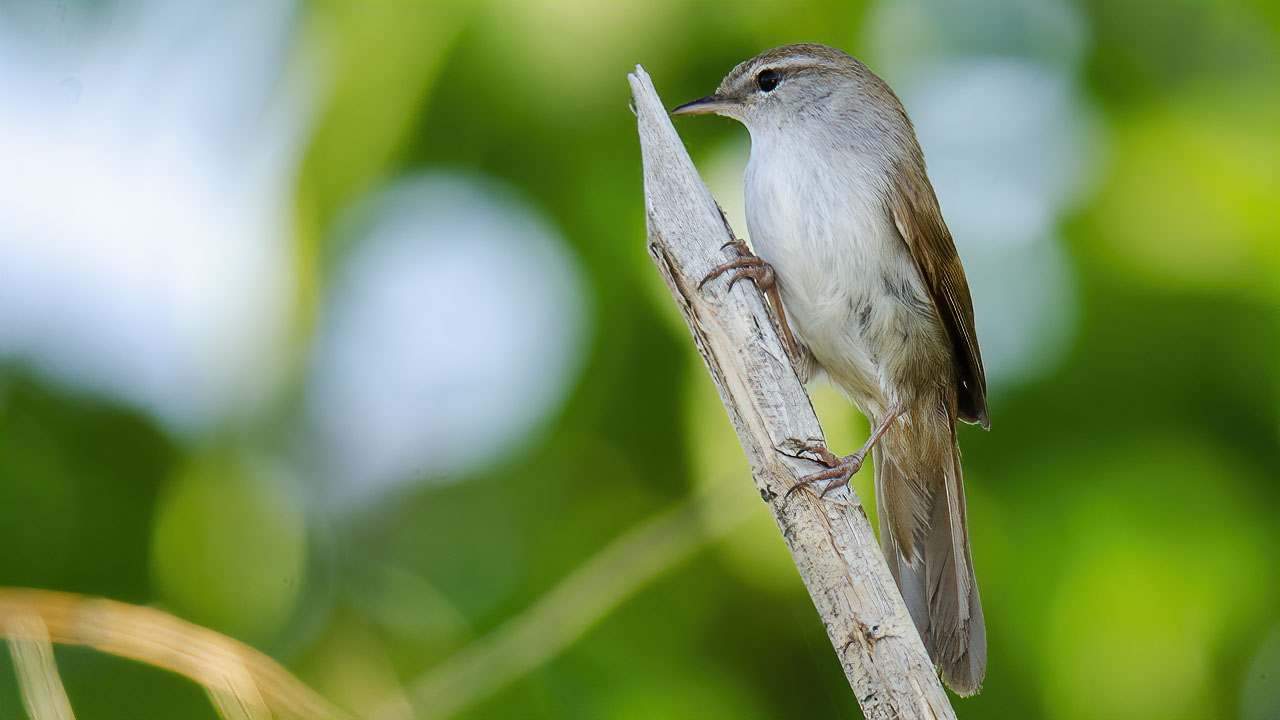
924,535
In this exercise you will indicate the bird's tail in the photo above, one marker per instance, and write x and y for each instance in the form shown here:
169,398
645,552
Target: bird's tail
925,538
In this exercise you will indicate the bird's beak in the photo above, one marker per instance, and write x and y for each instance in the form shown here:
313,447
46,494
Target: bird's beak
702,106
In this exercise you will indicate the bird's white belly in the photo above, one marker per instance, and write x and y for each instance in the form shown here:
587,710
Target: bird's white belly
849,286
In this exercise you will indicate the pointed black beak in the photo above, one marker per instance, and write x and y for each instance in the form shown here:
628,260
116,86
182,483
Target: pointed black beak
701,106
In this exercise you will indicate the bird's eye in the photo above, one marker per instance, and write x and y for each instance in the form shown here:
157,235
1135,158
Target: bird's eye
768,80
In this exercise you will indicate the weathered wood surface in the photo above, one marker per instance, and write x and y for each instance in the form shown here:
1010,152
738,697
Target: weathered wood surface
830,539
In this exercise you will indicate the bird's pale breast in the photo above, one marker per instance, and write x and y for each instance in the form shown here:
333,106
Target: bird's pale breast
849,285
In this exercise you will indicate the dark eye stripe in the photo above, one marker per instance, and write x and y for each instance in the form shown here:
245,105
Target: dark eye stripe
768,80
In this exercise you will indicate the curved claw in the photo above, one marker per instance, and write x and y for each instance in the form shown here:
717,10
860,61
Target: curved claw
837,473
798,448
752,267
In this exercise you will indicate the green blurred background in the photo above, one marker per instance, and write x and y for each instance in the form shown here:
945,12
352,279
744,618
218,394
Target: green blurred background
330,326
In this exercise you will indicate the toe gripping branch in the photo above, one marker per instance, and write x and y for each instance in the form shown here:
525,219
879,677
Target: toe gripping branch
746,265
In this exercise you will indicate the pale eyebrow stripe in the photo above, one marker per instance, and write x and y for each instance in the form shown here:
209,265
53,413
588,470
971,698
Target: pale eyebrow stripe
788,62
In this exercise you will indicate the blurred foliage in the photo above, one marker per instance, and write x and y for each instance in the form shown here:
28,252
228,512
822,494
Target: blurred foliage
1122,507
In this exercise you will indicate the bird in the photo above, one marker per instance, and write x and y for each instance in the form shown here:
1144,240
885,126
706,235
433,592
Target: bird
848,239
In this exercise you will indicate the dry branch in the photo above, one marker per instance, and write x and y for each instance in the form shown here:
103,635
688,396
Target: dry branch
42,692
241,681
831,540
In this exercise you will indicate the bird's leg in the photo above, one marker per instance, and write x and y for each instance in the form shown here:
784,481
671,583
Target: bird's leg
840,469
750,265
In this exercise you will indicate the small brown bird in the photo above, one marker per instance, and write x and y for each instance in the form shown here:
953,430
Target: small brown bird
844,219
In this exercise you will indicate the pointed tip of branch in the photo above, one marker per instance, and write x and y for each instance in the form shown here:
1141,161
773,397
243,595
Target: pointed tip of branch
638,80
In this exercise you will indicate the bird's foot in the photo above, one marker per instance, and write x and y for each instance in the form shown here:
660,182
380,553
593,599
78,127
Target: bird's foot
747,265
839,469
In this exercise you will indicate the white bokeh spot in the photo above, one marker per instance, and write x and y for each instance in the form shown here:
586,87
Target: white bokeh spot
453,327
145,200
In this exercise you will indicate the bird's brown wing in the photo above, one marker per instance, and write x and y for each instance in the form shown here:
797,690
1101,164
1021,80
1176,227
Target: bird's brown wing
919,220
